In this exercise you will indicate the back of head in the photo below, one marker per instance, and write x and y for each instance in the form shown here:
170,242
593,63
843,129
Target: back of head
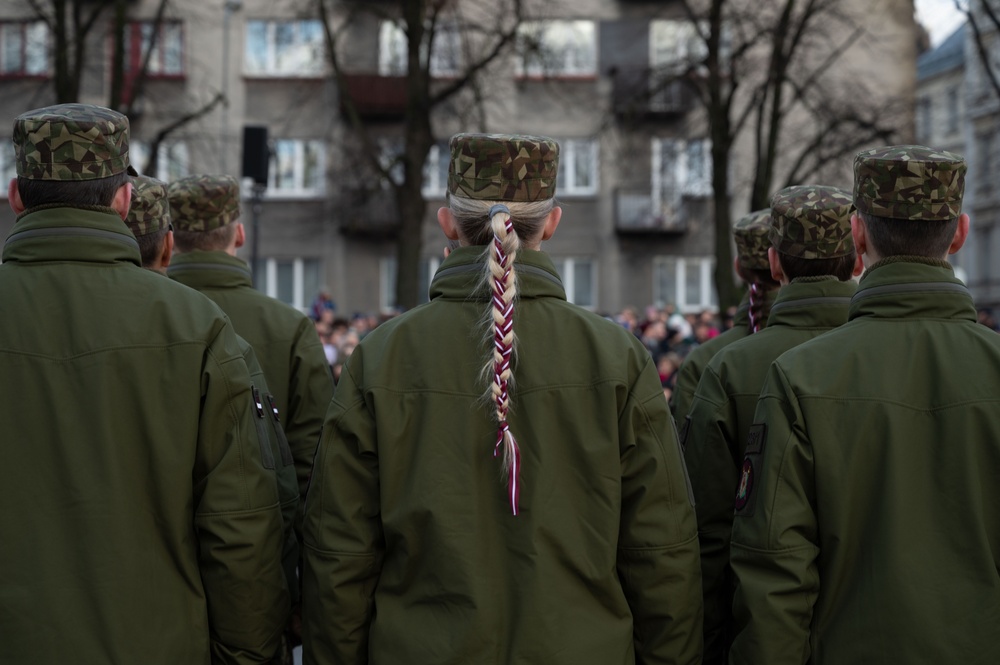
750,233
910,198
501,190
71,154
204,210
149,217
811,230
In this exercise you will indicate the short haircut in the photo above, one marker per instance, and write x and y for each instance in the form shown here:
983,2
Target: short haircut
906,237
151,245
841,267
208,241
99,192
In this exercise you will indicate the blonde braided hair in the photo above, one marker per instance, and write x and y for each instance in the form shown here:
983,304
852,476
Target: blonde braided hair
500,226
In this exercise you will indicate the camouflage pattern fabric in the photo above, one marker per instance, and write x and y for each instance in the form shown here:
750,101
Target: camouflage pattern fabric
204,202
70,142
503,167
909,182
812,222
750,232
150,209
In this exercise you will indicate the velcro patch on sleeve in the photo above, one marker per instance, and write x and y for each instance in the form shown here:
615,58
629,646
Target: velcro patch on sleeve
746,491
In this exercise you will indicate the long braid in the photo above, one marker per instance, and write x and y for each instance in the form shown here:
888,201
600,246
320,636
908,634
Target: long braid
503,283
755,308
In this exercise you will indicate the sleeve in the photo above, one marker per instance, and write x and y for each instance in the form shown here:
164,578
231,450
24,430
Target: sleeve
658,540
775,540
344,545
710,453
309,395
237,517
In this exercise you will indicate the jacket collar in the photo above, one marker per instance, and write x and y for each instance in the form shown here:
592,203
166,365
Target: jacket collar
461,274
820,302
209,269
62,233
912,287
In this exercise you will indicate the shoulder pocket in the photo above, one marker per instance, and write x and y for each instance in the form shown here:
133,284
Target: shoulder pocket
265,443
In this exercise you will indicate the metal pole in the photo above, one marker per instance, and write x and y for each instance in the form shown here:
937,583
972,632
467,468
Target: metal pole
256,206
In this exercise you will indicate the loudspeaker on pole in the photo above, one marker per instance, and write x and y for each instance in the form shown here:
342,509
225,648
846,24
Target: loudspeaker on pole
256,153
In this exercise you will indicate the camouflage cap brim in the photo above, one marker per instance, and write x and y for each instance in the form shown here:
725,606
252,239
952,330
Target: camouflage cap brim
812,222
503,167
909,182
71,142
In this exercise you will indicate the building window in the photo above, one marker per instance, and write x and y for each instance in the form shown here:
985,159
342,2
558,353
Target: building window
954,97
284,48
684,281
298,168
578,167
557,48
925,128
436,171
675,46
172,162
578,279
387,281
294,282
7,169
446,56
167,57
680,168
984,174
24,48
390,157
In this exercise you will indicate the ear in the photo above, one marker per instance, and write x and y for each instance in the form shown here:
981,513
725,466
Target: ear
241,235
859,265
447,223
859,235
551,222
961,234
123,200
776,271
14,197
166,250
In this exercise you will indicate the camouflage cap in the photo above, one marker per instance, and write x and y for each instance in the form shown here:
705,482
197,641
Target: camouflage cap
502,167
204,202
909,182
150,209
812,222
750,232
69,142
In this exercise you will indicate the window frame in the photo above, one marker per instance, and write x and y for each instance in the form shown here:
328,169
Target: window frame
135,49
387,282
25,55
551,62
566,267
708,299
569,151
301,294
171,153
436,171
300,150
271,55
393,55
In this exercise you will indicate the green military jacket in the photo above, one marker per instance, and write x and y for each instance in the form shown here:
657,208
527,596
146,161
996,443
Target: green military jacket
721,416
283,338
867,525
138,522
694,362
411,551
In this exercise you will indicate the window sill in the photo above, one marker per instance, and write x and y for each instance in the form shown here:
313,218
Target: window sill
278,195
556,77
283,76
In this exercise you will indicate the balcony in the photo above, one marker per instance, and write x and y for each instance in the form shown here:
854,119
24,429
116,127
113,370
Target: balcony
377,97
644,92
369,213
637,212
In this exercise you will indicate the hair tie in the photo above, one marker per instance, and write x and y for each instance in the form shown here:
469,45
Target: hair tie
499,207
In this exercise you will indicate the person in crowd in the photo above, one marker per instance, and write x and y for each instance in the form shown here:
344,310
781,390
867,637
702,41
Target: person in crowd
501,489
205,210
751,265
812,256
140,523
149,221
868,516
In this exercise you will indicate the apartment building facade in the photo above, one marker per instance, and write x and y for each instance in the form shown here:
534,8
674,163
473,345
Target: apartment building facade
635,181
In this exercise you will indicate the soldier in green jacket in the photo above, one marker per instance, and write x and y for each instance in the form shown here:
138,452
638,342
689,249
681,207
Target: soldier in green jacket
149,221
138,522
455,517
868,522
812,256
750,234
206,210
